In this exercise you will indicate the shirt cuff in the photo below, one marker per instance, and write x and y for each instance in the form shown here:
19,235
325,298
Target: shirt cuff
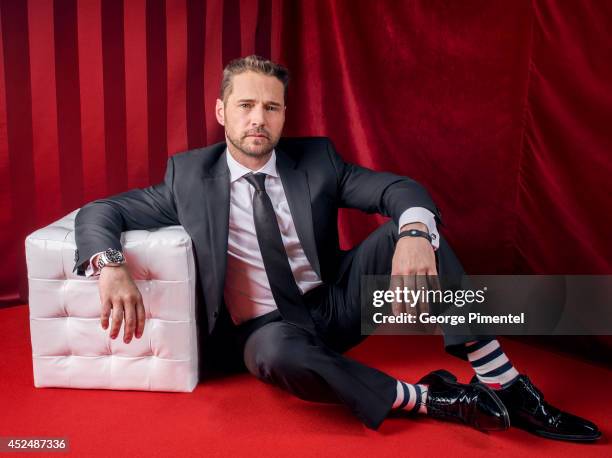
422,215
91,270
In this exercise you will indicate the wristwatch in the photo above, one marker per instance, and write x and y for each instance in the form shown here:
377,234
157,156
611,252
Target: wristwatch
110,257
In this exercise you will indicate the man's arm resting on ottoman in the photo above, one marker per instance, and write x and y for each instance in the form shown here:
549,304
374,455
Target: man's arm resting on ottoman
98,226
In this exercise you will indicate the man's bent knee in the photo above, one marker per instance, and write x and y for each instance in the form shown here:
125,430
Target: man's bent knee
267,351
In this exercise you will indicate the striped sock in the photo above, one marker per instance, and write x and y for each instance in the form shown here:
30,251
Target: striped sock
492,366
411,398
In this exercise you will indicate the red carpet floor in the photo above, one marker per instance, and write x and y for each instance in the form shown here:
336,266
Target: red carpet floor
240,416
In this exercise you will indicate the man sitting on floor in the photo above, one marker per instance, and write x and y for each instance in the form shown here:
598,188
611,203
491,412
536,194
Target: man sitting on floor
278,296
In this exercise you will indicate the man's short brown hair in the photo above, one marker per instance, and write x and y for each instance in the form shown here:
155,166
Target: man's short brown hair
255,64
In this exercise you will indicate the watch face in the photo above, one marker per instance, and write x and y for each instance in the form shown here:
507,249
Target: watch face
114,256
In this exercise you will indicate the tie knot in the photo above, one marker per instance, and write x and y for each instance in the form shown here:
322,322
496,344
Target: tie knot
257,180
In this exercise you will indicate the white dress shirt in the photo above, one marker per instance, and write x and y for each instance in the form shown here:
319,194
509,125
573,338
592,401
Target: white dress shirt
247,290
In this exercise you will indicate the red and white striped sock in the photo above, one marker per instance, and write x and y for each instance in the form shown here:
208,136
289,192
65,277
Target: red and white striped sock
411,398
492,366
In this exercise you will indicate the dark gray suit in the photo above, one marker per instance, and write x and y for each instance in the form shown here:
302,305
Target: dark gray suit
317,182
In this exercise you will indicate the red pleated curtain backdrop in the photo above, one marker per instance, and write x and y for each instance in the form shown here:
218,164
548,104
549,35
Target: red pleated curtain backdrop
501,109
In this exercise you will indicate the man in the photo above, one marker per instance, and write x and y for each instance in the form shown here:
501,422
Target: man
277,295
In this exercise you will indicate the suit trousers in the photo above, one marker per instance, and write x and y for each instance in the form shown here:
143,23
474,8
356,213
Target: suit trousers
312,366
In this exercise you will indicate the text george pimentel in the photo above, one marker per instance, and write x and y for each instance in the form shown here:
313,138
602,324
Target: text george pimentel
452,320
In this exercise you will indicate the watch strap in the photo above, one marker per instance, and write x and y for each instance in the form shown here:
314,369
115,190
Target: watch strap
415,233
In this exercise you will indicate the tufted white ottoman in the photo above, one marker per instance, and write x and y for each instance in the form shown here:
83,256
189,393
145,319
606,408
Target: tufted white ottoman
70,348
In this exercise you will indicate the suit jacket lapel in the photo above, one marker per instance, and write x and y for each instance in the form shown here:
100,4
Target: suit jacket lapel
295,184
216,182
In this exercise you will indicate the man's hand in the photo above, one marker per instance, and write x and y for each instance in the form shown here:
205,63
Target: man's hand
413,261
119,294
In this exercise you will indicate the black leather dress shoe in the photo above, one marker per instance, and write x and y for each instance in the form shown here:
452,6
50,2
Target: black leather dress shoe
529,411
475,405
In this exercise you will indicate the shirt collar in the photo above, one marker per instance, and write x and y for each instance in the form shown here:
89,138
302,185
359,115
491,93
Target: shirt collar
238,170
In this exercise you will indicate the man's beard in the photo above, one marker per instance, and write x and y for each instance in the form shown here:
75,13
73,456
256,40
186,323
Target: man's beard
241,145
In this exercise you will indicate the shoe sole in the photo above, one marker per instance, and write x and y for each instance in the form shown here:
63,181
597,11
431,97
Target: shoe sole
564,437
450,378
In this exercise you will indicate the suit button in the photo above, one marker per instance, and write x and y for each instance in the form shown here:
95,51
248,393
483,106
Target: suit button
215,314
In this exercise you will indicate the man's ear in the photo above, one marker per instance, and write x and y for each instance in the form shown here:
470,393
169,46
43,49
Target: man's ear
220,111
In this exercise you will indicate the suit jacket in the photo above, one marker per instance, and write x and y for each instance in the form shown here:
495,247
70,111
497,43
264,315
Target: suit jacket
195,194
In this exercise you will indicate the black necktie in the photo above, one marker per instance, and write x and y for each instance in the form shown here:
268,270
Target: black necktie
284,289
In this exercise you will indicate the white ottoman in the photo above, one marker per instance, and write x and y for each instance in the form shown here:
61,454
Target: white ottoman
69,347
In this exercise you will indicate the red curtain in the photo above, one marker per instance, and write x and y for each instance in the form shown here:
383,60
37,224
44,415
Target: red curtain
502,109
